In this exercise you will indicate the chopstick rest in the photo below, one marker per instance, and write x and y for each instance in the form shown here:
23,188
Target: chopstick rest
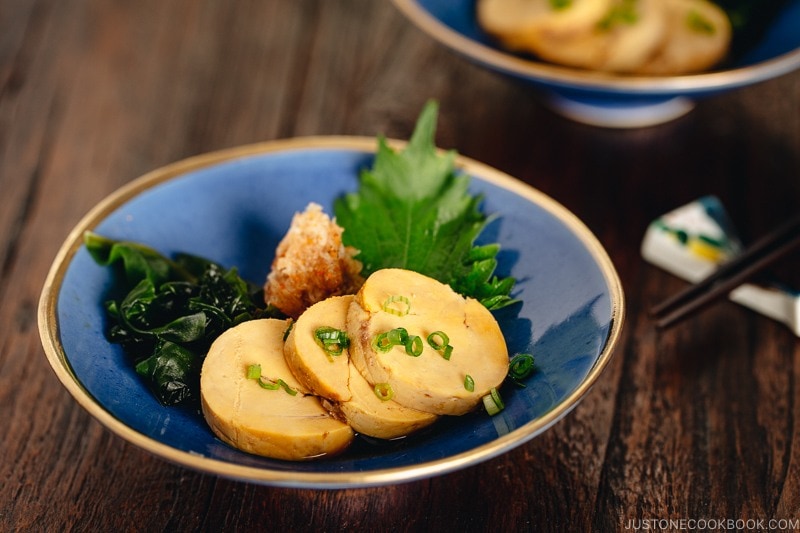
698,243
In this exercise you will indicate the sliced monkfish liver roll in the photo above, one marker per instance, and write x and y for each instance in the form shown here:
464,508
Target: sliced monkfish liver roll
325,371
371,415
699,34
434,380
515,21
258,420
328,373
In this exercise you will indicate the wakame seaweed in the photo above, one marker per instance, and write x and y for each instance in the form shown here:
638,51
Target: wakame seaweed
165,313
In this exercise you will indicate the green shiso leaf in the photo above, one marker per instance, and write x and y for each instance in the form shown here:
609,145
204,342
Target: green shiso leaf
413,210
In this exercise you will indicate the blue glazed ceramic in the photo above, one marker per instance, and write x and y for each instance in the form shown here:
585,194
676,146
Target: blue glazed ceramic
233,207
606,99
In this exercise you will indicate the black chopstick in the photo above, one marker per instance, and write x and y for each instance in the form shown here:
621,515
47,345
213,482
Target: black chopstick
729,275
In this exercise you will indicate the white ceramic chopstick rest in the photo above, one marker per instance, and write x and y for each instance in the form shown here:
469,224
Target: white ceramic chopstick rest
693,240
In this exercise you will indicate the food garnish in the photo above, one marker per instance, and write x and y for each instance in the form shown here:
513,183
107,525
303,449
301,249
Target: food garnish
469,383
493,403
333,341
254,372
439,341
397,304
171,311
520,367
384,392
413,210
311,263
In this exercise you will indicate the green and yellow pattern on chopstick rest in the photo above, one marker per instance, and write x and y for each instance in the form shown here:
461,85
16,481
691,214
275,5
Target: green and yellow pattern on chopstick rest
692,240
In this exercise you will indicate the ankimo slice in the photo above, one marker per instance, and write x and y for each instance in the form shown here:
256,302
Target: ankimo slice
282,421
513,21
624,39
372,414
315,354
457,344
327,372
698,37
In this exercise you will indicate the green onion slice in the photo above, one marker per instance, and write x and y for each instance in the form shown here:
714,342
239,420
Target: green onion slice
265,383
333,341
268,384
397,305
414,346
700,24
288,330
438,340
495,394
287,388
469,383
398,336
253,371
447,352
384,391
381,342
560,4
520,366
493,403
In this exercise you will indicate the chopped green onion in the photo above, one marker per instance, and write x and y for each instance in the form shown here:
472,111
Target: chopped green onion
469,383
268,384
698,23
398,336
438,340
495,394
264,383
253,371
447,352
287,388
381,342
490,406
520,366
384,391
333,341
493,403
414,346
397,305
288,330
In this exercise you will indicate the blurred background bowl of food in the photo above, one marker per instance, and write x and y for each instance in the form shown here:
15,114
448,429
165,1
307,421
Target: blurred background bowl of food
763,43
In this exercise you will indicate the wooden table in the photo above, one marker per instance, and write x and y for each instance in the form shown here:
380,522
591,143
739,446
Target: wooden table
699,422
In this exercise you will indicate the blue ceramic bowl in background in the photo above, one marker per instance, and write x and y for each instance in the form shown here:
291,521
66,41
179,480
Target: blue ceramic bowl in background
606,99
233,207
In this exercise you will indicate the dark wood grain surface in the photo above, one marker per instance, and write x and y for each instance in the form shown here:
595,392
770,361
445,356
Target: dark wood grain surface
699,422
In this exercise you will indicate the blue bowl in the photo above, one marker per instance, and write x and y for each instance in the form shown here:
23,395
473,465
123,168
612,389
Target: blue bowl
610,100
233,207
